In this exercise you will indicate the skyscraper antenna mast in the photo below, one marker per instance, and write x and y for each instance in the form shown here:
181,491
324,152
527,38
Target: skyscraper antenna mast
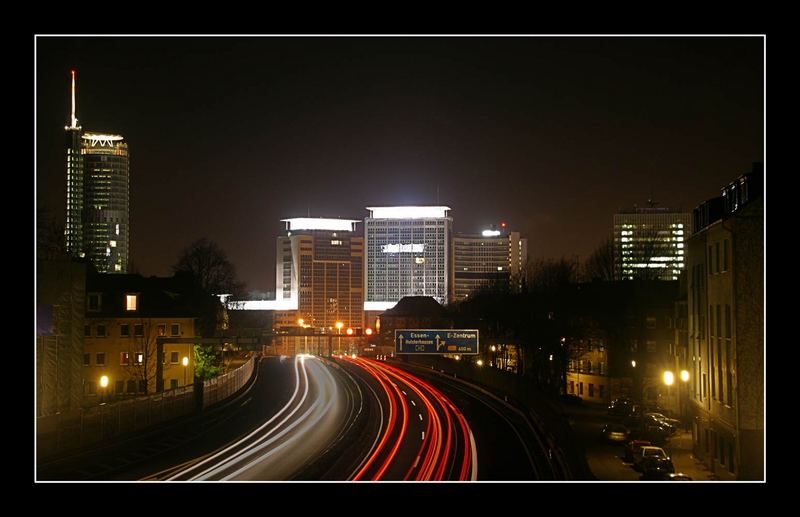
73,120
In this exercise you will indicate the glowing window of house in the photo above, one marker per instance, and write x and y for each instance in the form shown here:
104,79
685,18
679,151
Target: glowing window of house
139,357
130,302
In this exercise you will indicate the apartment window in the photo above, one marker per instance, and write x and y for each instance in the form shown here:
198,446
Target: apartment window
722,451
119,386
87,330
651,345
710,260
130,302
580,388
101,331
717,254
173,384
138,330
725,256
131,387
139,357
634,345
572,387
589,366
87,358
142,386
90,387
589,345
124,359
591,389
600,368
175,329
173,357
162,330
124,330
651,322
93,301
100,359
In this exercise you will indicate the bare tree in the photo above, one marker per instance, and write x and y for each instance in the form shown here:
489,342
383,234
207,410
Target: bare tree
551,274
49,232
210,267
600,264
142,352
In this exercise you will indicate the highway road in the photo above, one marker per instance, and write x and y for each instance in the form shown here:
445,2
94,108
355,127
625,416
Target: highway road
421,434
505,443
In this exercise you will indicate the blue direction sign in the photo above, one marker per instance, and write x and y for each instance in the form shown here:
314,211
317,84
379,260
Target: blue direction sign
445,341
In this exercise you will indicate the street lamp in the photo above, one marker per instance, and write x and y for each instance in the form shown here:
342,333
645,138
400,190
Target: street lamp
339,326
104,385
302,324
682,405
185,364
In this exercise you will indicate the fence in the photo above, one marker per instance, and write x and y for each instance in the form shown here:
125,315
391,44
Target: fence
83,427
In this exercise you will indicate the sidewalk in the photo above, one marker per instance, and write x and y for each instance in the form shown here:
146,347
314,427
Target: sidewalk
606,459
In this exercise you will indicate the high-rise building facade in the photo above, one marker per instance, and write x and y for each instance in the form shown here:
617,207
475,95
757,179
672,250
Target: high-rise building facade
106,192
319,274
98,195
649,243
491,259
408,253
73,230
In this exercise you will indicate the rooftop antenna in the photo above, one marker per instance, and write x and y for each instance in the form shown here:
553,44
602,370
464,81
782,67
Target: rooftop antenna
73,120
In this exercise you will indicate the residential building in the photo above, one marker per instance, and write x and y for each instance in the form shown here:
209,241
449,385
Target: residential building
129,322
620,339
726,329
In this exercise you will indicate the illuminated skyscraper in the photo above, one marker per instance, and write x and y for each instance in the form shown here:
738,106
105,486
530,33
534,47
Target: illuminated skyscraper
98,193
409,253
319,274
649,243
495,259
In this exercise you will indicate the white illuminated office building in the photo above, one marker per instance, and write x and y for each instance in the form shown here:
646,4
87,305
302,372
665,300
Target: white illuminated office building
493,259
649,243
408,253
319,274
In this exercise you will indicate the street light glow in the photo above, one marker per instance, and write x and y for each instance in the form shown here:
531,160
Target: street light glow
633,363
684,376
669,378
104,381
185,361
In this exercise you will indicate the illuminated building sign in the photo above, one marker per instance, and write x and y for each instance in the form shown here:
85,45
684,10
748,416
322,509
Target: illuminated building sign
103,140
407,212
403,248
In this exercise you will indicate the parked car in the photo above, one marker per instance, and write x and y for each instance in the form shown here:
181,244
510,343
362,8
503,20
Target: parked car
572,400
647,453
678,476
620,406
656,468
616,433
633,448
673,423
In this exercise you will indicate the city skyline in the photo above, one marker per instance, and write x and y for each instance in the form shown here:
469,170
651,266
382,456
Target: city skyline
232,135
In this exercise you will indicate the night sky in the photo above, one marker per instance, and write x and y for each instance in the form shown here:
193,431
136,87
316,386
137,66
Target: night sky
229,135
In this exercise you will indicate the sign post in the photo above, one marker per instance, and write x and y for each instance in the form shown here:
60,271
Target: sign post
436,342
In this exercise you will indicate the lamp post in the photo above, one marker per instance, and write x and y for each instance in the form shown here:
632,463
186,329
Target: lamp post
185,365
682,403
339,326
103,385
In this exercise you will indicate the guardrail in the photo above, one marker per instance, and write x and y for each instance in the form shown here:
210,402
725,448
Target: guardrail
83,427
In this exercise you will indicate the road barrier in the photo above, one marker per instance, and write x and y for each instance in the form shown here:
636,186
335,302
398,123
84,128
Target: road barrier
84,427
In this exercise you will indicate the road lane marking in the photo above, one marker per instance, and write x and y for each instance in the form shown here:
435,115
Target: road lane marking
413,404
423,435
420,417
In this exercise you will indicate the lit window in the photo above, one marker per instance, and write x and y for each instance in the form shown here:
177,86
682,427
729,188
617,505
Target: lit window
113,244
175,329
130,302
139,357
